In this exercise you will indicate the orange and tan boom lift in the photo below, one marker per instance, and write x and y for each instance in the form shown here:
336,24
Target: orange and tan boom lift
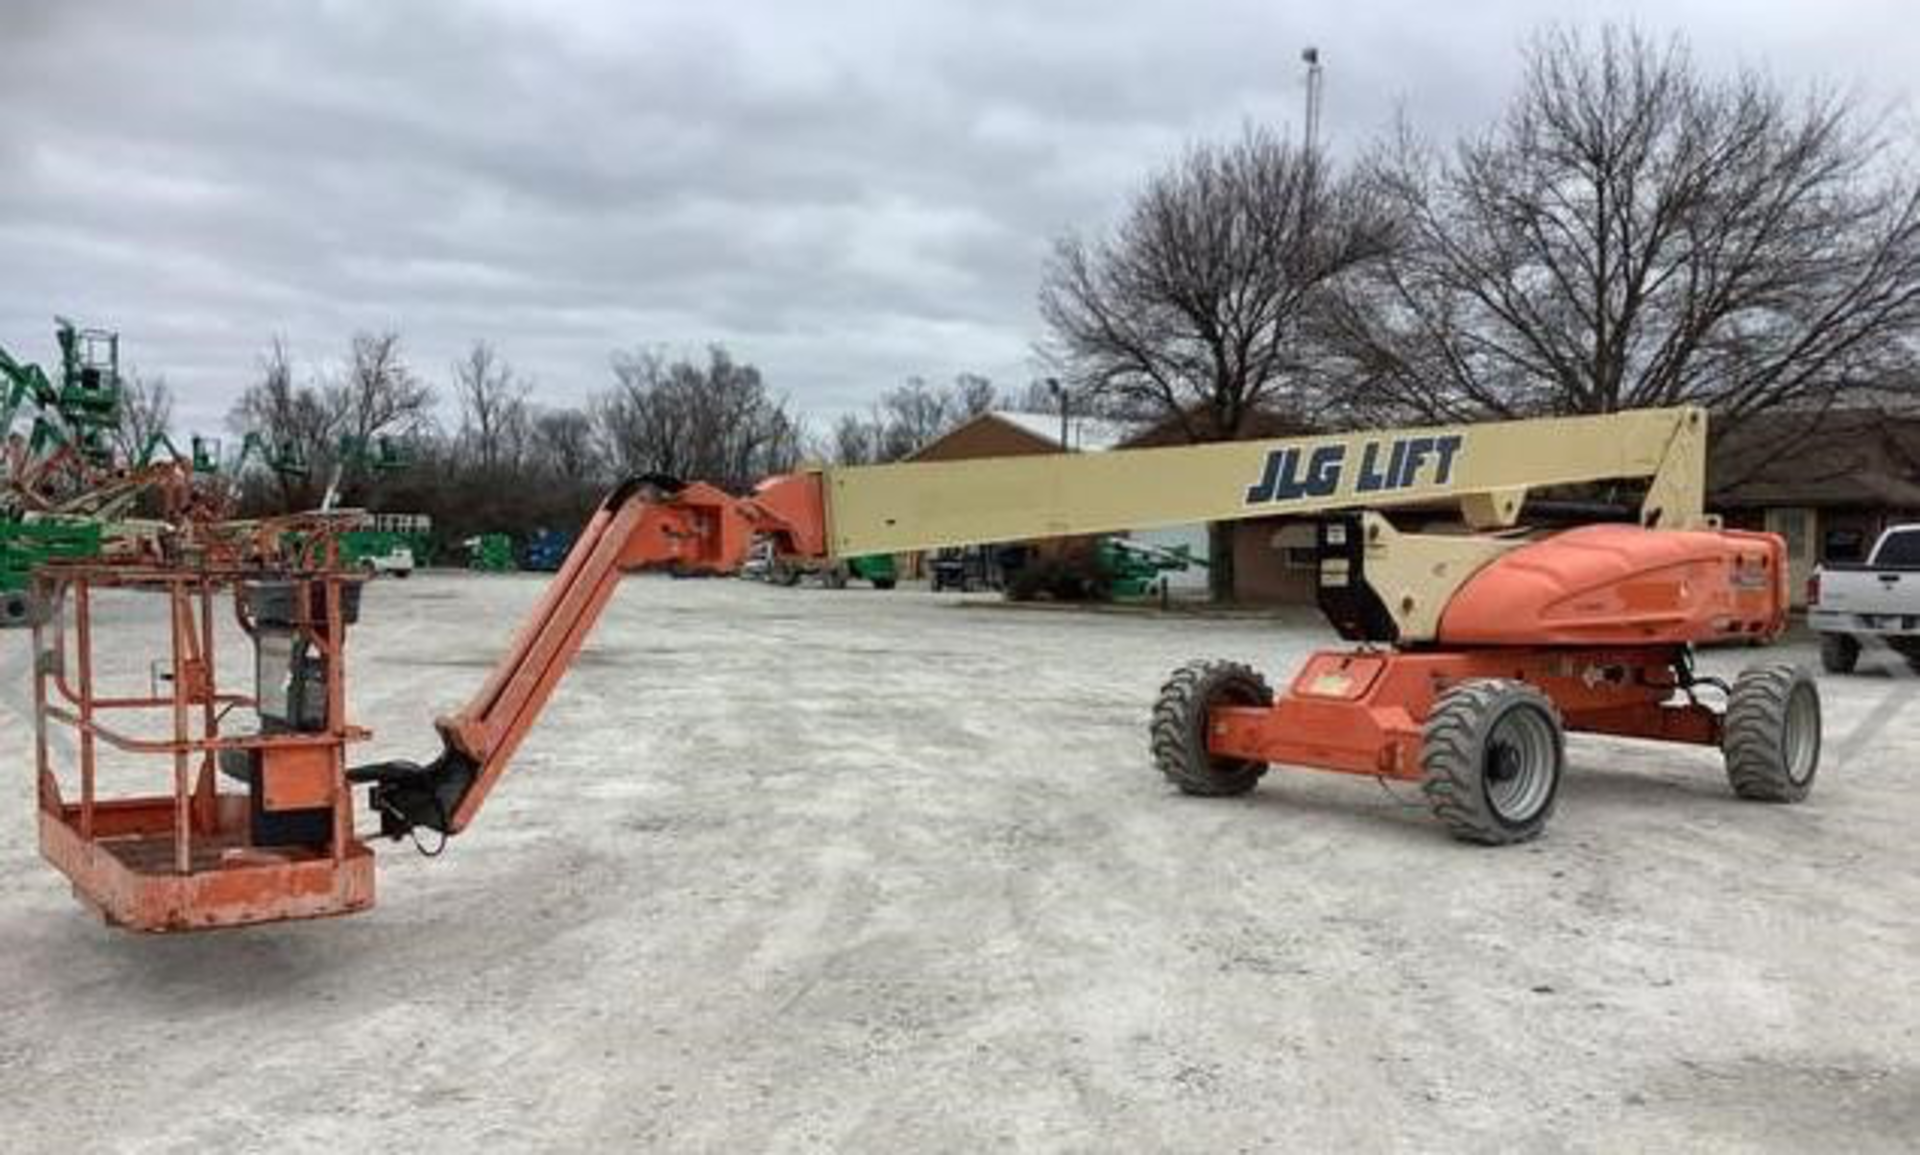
1472,651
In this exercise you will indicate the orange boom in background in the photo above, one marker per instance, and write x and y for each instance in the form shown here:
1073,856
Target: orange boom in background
1473,650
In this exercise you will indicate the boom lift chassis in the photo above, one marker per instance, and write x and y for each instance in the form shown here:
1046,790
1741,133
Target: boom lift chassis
1471,654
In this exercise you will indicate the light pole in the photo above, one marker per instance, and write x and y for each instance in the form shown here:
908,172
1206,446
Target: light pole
1061,395
1310,56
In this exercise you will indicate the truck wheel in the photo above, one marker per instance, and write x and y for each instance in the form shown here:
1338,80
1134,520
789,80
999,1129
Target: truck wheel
1839,653
1772,734
1180,721
16,609
883,583
834,577
1492,751
1908,649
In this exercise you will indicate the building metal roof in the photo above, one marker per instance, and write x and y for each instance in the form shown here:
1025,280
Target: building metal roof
1085,434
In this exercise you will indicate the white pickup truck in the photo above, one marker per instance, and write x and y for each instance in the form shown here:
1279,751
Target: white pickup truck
1877,598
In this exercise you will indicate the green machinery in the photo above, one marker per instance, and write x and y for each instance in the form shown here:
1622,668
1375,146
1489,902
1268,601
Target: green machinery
395,543
1132,569
764,564
26,545
877,568
206,455
490,553
41,420
1115,569
80,413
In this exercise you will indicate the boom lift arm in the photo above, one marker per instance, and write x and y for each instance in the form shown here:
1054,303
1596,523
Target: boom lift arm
1485,471
1476,651
646,523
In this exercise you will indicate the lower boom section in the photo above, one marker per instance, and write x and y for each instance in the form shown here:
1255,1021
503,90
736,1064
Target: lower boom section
1482,730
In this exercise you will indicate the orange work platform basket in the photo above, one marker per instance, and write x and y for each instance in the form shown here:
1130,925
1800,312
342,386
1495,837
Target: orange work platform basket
246,814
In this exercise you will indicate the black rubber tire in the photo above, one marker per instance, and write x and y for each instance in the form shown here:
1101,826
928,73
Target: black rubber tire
1462,771
1909,650
16,609
1839,653
1759,740
1180,721
883,583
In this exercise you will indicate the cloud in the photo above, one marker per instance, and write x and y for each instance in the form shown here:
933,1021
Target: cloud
845,193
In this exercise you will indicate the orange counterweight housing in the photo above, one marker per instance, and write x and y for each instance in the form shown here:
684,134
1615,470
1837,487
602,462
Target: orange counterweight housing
1611,585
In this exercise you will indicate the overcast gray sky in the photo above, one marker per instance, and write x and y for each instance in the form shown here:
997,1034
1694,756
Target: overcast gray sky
845,193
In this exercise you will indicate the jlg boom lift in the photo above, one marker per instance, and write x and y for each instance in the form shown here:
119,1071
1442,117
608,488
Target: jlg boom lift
1471,652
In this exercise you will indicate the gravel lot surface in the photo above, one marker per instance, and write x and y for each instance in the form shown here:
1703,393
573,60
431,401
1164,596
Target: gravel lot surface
800,870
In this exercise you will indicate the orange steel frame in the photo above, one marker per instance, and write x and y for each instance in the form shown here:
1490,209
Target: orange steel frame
1361,711
181,860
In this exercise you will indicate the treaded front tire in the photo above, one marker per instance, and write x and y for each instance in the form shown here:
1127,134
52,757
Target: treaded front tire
1771,738
1839,653
1180,723
1492,752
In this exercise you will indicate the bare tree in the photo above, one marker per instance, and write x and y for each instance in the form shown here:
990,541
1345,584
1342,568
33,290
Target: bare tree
716,422
146,413
909,417
291,424
377,393
855,440
1194,307
970,395
493,408
1049,394
304,433
1634,233
561,445
376,397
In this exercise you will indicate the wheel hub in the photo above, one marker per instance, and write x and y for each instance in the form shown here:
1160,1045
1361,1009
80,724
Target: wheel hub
1503,763
1518,765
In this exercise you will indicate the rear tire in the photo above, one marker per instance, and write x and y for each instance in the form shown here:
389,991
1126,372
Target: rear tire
1772,734
1909,649
883,583
1492,752
1180,724
1839,653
